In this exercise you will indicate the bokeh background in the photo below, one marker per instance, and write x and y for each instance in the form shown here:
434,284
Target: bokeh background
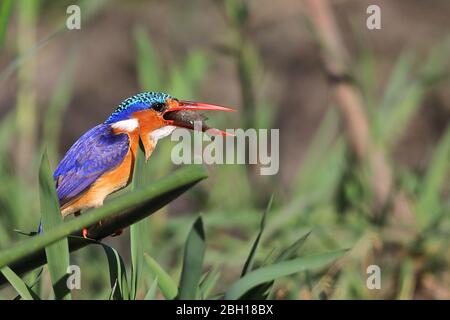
363,117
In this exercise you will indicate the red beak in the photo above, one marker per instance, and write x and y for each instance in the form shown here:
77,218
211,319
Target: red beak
198,106
180,113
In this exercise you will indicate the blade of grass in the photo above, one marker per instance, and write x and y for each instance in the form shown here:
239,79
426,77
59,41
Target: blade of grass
435,177
21,287
261,292
117,271
166,284
315,160
398,80
59,102
208,283
248,266
117,213
193,260
407,281
117,274
5,14
291,251
139,231
113,290
184,80
278,270
147,64
57,253
151,293
26,110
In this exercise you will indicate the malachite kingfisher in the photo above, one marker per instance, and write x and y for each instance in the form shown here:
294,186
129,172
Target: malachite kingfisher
101,161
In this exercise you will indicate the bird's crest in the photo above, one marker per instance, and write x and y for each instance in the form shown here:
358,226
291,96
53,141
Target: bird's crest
138,102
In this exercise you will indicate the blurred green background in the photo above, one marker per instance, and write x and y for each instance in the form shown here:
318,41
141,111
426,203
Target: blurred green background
262,57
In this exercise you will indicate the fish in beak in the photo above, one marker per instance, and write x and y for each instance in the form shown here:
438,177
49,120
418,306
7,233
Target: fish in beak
182,113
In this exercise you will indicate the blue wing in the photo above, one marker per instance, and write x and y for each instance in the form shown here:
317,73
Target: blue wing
96,152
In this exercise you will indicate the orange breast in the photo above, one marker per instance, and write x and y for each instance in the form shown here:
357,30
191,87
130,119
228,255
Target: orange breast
109,182
120,176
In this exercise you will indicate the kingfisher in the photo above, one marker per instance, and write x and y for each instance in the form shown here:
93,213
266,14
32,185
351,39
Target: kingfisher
101,161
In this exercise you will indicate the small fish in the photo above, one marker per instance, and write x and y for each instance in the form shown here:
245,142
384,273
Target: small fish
187,118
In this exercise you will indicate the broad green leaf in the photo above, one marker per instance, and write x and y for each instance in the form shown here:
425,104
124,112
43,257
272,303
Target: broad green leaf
248,266
278,270
139,231
122,211
151,293
166,284
194,252
57,253
21,287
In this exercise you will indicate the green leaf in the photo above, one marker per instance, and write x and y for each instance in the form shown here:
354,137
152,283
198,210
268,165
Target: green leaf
324,152
278,270
194,252
398,81
139,231
396,120
57,253
117,274
208,283
147,64
291,251
261,291
5,14
403,96
151,293
21,287
433,182
117,213
59,101
248,266
407,280
184,80
117,271
194,71
166,284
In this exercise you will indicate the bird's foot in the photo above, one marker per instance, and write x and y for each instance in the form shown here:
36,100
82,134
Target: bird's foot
117,233
85,233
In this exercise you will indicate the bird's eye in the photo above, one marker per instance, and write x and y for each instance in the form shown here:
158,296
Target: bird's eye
159,106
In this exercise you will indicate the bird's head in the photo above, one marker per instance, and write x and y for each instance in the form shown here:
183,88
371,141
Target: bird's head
159,114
